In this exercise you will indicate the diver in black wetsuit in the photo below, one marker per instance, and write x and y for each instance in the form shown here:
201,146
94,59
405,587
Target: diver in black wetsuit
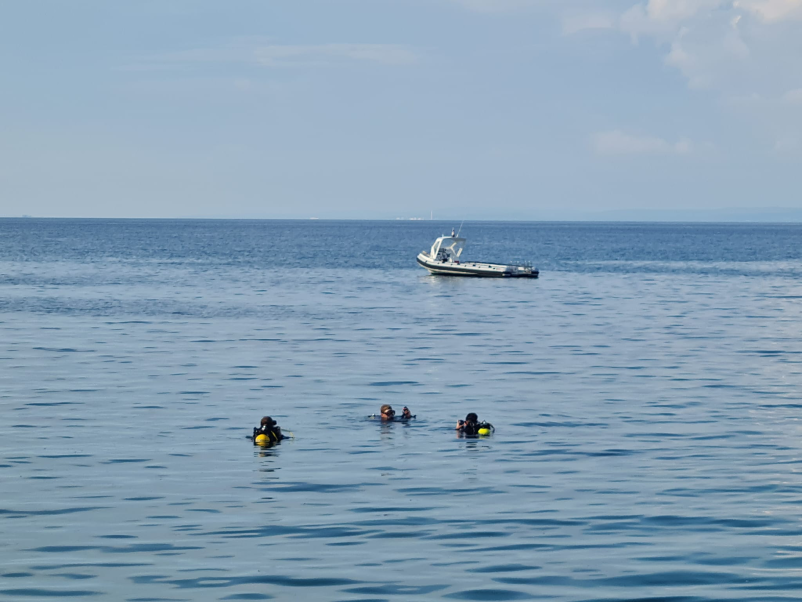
471,425
269,428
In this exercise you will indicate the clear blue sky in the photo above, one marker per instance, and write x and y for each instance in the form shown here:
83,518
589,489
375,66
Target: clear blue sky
386,108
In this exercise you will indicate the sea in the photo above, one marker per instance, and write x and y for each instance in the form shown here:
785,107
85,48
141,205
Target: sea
646,393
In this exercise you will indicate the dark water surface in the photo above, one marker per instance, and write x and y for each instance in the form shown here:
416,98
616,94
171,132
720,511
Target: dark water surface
646,393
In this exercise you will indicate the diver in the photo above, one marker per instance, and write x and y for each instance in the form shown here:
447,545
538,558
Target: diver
387,413
406,414
268,432
471,426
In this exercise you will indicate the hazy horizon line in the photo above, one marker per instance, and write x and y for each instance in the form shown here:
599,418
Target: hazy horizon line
744,220
721,215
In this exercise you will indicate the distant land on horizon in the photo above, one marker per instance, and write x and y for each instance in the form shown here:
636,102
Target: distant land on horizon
731,215
751,214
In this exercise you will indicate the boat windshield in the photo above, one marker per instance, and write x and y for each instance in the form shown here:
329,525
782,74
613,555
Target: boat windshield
447,248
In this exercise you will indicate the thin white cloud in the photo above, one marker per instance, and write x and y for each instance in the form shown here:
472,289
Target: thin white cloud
582,21
287,55
772,10
707,56
257,52
662,18
240,50
679,10
786,145
616,142
793,97
499,6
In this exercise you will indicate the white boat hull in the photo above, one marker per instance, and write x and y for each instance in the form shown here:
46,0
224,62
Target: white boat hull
476,269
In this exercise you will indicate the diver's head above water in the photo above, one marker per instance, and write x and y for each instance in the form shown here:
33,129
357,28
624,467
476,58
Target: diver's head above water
472,427
468,425
268,432
387,412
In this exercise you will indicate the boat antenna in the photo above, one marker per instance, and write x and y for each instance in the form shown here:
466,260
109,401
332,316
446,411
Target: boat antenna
460,228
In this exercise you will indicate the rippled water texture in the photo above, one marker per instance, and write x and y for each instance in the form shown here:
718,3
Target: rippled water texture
645,391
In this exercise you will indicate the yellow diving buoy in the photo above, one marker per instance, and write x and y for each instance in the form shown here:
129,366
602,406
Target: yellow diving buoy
262,439
484,431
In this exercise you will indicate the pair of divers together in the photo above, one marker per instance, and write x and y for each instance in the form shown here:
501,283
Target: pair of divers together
470,427
388,414
269,432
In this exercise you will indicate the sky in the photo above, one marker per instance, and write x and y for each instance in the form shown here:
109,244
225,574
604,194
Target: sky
379,109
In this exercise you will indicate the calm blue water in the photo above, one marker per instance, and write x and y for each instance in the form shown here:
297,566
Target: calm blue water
646,392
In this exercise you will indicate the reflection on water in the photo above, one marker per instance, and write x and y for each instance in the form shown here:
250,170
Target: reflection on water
646,406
